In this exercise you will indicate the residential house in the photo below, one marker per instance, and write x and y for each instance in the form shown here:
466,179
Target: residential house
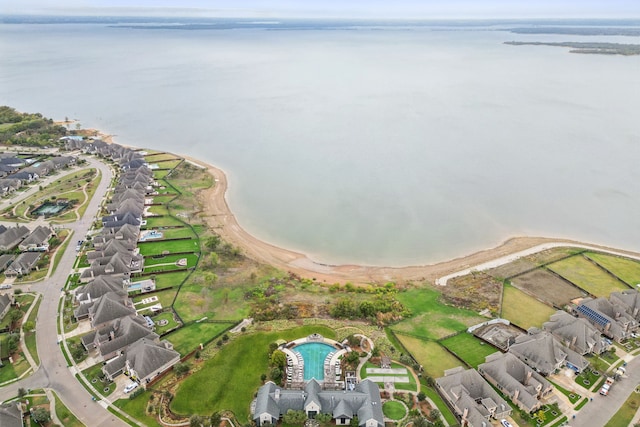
25,177
109,249
143,361
45,168
116,221
473,400
12,236
546,355
5,261
118,335
134,164
575,333
344,405
105,309
24,264
9,185
515,379
11,414
99,287
38,240
629,300
609,318
6,301
62,161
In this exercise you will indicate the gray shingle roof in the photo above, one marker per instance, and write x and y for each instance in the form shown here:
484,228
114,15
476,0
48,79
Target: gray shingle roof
574,332
10,415
147,356
37,237
99,287
544,353
14,235
107,308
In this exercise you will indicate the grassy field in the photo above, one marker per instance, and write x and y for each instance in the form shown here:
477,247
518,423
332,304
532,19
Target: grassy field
170,259
168,316
625,414
218,303
94,375
164,221
176,233
626,269
411,385
188,338
547,287
433,358
160,157
524,310
165,298
469,348
172,246
12,371
588,276
432,319
168,280
137,408
65,415
238,366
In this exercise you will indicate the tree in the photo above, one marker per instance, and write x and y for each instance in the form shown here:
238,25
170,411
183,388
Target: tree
40,415
212,242
215,419
263,377
276,375
279,359
323,418
14,317
181,369
196,421
22,392
421,396
12,343
294,417
420,422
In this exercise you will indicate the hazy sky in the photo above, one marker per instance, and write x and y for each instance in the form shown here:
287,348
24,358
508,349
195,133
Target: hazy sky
419,9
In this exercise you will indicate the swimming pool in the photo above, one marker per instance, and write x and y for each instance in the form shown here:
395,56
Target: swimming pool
314,354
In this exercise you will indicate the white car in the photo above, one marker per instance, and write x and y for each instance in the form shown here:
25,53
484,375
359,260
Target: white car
130,387
505,423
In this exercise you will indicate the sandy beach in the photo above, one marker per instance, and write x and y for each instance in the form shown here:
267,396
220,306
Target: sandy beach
220,218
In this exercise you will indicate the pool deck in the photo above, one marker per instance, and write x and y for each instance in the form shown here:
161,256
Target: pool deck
295,361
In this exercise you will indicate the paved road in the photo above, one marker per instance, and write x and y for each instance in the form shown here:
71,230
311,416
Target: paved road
599,411
53,371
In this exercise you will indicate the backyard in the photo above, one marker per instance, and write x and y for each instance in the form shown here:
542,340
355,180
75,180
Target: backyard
588,276
469,348
513,303
626,269
431,355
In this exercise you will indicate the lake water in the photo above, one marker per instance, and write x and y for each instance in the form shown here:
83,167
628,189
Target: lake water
388,146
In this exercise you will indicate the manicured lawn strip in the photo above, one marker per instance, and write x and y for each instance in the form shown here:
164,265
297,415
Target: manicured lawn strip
63,247
165,298
590,377
468,348
626,269
95,373
625,414
30,336
588,276
432,319
160,174
560,422
164,221
431,355
188,338
7,373
239,365
513,303
172,246
159,157
91,191
137,408
158,210
170,165
164,198
65,415
12,371
394,410
574,399
170,259
163,268
440,404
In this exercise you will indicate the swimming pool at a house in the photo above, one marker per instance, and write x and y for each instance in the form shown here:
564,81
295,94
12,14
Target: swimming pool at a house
314,355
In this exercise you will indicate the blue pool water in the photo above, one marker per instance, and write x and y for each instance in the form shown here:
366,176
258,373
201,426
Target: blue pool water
314,354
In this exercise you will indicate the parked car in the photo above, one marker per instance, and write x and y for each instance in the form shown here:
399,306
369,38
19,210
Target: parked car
5,286
130,387
505,423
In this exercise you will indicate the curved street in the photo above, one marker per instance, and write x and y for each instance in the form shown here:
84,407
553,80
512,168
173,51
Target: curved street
53,371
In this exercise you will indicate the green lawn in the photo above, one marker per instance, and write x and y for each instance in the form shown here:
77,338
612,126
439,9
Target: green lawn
165,298
167,280
12,371
30,336
137,408
626,269
172,246
187,338
176,233
163,198
524,310
469,348
238,366
587,276
442,406
394,410
430,318
168,316
625,414
65,415
97,379
431,355
165,221
588,379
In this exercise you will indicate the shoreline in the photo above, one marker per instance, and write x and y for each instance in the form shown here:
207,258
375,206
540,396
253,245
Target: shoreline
220,218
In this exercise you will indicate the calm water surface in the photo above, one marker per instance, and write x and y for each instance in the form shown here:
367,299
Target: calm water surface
389,147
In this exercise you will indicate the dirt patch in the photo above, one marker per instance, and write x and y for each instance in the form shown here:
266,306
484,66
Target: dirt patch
547,287
511,269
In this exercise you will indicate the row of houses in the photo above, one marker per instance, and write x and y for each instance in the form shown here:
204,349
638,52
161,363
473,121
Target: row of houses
122,338
520,373
16,172
30,242
127,158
